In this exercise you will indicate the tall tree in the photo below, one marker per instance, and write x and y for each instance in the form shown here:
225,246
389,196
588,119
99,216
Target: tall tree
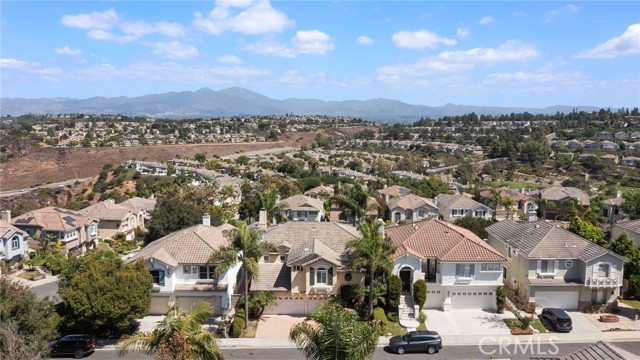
269,202
172,214
626,247
496,198
508,203
179,336
355,201
371,252
631,204
245,247
587,231
335,333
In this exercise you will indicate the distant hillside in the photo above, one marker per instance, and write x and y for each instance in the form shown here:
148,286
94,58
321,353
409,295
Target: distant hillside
237,101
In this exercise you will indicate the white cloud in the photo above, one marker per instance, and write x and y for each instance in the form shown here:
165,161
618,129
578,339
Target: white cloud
230,59
108,36
567,9
364,40
95,20
175,50
51,74
462,32
141,28
564,78
304,42
292,77
295,78
67,51
626,44
420,39
245,17
455,61
486,20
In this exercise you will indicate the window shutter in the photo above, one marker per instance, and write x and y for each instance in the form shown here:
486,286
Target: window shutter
312,276
612,271
594,270
330,276
556,265
161,276
539,266
472,270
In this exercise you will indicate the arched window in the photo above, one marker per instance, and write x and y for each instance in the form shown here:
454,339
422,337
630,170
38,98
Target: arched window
92,229
132,221
321,276
15,243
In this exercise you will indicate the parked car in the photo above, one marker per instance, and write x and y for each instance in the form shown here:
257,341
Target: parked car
77,345
416,341
558,319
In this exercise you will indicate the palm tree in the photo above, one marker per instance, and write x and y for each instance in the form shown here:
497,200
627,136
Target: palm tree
262,300
371,252
178,336
355,200
335,333
269,202
245,247
508,203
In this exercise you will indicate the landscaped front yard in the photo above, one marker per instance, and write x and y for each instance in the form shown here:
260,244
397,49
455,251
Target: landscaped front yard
516,323
31,275
395,329
633,303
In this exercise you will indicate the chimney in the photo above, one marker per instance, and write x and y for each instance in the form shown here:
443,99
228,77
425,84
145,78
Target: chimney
262,219
381,222
206,219
6,215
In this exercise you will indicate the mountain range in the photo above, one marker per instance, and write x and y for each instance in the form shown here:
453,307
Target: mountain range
236,101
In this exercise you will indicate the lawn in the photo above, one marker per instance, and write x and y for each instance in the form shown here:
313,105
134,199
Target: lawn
395,329
103,246
251,330
512,323
536,324
515,323
516,185
30,275
633,303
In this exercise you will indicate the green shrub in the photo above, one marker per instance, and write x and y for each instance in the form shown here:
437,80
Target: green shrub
634,286
500,299
421,317
237,328
420,292
393,316
394,291
379,315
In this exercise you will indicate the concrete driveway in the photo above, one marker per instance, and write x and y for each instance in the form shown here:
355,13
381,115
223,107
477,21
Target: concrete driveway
276,326
467,322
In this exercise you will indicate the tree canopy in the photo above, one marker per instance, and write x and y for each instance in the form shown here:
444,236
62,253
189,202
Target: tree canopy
631,204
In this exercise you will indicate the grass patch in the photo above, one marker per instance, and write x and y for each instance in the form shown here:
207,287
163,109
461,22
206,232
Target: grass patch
633,303
395,329
422,327
103,246
536,324
30,275
250,332
513,323
517,185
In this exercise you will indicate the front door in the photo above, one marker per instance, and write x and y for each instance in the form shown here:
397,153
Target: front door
405,277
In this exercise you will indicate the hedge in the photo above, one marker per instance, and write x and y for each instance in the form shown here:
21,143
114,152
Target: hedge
378,315
237,328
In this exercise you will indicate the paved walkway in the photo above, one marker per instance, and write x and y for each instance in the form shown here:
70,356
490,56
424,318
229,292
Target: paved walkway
467,322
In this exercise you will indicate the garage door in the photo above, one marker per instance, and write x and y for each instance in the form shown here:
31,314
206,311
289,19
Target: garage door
159,306
434,299
186,303
472,300
288,306
567,300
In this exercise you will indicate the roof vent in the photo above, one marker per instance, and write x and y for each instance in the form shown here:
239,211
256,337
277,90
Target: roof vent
537,226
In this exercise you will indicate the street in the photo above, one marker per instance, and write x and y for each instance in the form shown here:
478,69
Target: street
451,352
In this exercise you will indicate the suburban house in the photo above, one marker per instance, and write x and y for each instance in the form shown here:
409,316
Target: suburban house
557,196
611,209
454,207
556,267
388,193
524,203
181,273
632,161
609,159
142,207
320,191
75,231
461,270
114,219
303,208
631,227
308,266
591,145
13,242
411,207
610,145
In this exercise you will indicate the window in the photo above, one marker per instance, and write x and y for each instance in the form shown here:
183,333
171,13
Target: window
465,270
480,213
421,213
15,243
321,276
546,267
158,277
283,258
509,252
132,222
348,277
457,212
189,269
92,229
603,270
491,267
206,272
265,258
568,264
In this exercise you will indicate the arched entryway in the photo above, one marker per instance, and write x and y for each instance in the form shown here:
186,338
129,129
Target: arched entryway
406,276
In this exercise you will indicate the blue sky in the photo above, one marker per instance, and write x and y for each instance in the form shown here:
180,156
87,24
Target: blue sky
431,53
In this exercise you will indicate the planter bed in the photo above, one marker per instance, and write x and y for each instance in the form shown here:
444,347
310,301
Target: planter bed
608,318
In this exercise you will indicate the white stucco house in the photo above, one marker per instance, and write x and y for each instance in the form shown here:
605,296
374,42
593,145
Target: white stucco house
13,241
303,208
454,207
461,270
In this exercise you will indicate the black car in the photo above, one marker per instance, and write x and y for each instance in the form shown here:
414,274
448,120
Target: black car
558,319
77,345
416,341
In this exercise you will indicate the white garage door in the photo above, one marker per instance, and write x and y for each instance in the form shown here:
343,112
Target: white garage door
186,303
159,306
472,300
434,299
567,300
288,306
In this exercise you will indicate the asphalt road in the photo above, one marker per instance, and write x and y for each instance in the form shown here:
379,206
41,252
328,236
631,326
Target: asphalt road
451,353
52,186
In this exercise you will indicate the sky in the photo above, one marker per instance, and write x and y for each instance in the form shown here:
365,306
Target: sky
506,53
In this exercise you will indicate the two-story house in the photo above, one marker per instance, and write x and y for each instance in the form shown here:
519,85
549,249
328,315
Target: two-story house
611,209
524,203
320,191
75,231
557,197
181,273
13,243
303,208
389,192
454,207
410,207
631,227
114,219
557,268
461,270
142,207
308,265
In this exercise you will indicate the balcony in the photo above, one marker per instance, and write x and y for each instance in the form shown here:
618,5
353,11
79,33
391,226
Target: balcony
321,288
433,278
608,281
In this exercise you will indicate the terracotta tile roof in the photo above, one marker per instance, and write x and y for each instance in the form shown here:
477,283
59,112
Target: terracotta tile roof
272,277
138,203
322,189
303,203
411,201
7,230
444,241
53,219
543,240
107,210
193,245
202,287
394,190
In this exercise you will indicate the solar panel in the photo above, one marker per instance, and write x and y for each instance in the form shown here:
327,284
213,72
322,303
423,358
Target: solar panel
25,220
68,218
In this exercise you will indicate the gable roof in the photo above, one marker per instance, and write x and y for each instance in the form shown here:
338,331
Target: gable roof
321,189
411,201
107,210
193,245
459,201
303,203
53,219
630,225
564,193
7,230
507,191
272,277
139,203
444,241
540,240
394,190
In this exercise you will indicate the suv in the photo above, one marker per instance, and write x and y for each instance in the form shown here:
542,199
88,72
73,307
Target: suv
77,345
416,341
559,319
